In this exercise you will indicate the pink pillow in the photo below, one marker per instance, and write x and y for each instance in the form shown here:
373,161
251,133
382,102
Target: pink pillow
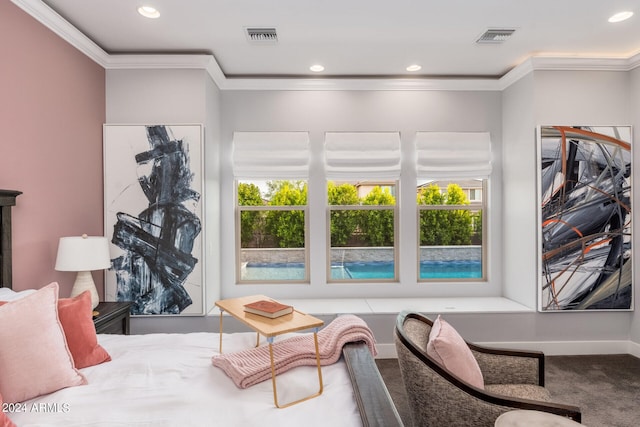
77,321
76,317
34,357
450,350
4,419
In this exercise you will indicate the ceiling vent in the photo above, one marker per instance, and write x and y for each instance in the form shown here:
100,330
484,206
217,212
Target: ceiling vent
262,35
495,35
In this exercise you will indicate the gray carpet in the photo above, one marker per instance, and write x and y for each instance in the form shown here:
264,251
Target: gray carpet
605,387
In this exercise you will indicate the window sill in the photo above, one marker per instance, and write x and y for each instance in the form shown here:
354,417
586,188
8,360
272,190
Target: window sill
364,306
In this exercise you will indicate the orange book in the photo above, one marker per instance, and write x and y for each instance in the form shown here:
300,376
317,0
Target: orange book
268,308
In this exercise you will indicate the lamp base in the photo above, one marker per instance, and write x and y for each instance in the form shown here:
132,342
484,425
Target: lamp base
84,282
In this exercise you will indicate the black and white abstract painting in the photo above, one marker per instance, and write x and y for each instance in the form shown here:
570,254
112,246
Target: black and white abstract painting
153,217
585,233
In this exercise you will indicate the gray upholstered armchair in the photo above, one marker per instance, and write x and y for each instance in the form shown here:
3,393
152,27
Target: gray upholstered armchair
437,397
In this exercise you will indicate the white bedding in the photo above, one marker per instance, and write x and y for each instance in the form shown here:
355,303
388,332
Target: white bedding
168,380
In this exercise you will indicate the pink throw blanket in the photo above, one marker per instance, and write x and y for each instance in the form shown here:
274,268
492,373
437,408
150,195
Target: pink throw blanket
251,366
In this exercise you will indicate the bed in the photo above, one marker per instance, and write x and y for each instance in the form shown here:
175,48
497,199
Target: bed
168,379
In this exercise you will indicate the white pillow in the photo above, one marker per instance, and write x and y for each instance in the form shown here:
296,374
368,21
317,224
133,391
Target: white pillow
7,294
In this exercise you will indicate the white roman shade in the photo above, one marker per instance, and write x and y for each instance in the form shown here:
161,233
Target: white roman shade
453,154
271,155
362,155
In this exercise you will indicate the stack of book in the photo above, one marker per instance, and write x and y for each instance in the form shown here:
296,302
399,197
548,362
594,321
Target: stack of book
268,308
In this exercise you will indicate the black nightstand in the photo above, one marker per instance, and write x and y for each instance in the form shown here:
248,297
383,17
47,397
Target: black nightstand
112,318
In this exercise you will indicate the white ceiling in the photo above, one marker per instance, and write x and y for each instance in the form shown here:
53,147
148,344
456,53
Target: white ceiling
361,38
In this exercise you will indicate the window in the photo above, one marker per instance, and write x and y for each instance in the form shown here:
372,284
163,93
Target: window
271,222
363,170
362,224
358,196
453,170
451,238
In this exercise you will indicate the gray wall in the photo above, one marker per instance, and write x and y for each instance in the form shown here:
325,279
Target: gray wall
518,184
174,97
549,98
213,244
322,111
541,97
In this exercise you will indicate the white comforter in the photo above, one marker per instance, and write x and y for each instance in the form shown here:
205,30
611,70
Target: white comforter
168,380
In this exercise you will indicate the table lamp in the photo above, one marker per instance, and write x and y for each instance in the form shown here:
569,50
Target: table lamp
83,254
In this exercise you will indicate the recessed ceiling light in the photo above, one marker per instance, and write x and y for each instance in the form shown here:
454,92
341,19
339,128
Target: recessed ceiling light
316,68
621,16
149,12
414,67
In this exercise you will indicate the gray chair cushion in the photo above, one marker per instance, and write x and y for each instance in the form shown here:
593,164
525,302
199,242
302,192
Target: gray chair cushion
522,391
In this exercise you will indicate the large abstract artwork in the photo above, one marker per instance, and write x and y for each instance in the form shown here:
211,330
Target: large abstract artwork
585,234
153,212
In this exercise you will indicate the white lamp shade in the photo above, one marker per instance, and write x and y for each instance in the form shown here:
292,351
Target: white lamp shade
83,253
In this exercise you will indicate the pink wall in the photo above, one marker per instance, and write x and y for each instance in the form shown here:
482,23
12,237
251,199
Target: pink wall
52,107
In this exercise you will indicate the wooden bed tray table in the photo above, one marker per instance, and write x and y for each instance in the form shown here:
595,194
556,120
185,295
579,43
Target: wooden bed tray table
270,328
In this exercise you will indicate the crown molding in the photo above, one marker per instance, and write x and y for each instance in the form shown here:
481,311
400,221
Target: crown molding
556,63
552,63
634,61
128,62
360,83
56,23
516,73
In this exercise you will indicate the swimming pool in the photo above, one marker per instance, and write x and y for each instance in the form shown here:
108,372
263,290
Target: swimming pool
363,270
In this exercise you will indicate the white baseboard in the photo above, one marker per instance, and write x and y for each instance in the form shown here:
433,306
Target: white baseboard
549,348
634,349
